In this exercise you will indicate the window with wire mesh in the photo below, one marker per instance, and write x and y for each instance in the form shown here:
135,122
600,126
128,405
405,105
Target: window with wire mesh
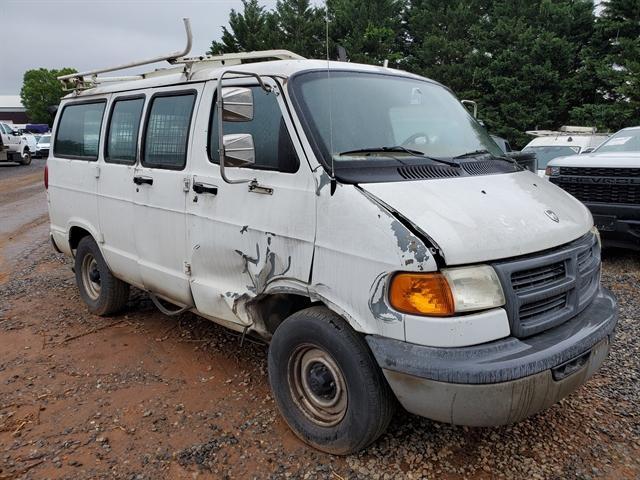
78,132
122,140
167,132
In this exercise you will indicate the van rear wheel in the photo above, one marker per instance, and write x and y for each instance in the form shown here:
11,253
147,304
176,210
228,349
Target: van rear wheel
103,293
326,383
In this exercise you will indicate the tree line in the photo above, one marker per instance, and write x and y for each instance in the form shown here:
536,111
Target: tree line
530,64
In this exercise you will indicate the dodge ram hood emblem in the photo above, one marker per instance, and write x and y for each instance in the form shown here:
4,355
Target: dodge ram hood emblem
552,215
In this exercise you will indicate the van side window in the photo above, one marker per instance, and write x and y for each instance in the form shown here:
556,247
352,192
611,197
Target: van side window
78,132
167,131
122,133
271,140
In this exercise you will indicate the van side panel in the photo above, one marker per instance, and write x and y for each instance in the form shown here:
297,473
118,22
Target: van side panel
358,247
72,192
115,204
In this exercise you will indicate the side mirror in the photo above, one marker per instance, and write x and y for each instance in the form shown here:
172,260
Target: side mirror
472,104
237,104
15,133
238,150
588,150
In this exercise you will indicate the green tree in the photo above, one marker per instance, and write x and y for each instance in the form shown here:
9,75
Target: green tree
293,25
370,31
41,90
300,27
521,60
614,60
249,30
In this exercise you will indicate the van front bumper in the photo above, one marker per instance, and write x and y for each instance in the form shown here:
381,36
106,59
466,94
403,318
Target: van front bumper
499,382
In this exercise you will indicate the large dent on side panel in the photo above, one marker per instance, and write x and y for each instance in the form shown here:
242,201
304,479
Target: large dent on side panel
268,263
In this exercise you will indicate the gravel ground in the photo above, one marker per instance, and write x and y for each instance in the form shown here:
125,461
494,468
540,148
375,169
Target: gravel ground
592,434
143,396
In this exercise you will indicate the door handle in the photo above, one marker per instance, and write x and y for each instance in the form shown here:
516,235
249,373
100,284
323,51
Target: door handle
141,180
205,188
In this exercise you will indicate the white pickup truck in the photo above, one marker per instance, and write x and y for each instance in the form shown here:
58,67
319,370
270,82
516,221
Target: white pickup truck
607,181
20,147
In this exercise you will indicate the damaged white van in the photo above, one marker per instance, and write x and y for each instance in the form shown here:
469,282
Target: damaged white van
357,217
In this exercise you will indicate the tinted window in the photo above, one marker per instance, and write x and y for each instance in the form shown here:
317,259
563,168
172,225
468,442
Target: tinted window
122,139
78,133
273,147
167,131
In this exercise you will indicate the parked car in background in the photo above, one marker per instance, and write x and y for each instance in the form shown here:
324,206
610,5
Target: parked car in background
42,148
20,147
607,180
569,140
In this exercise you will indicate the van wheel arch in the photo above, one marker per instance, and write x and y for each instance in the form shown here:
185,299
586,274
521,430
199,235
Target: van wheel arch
75,235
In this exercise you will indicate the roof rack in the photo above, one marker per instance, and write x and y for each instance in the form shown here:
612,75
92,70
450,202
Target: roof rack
564,130
89,79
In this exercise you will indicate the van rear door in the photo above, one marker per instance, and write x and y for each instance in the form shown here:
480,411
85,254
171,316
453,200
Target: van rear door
160,194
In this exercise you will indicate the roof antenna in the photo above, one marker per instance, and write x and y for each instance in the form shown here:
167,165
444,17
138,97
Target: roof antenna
333,173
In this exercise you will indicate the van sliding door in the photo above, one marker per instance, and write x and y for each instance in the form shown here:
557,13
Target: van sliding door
160,194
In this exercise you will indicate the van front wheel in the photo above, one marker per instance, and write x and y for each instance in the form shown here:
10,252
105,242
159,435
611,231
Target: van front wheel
326,383
103,293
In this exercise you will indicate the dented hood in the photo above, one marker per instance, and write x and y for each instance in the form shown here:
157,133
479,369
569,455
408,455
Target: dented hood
477,219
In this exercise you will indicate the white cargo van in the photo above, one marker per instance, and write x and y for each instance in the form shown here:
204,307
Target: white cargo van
357,217
569,140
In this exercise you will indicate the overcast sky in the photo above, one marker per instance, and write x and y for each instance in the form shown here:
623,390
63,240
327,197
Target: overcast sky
87,34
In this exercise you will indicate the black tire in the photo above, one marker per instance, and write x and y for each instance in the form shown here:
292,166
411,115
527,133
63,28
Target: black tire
370,404
103,293
25,159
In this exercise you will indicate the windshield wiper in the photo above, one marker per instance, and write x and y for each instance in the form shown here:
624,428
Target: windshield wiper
473,154
400,149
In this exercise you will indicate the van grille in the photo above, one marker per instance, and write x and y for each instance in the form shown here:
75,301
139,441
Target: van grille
543,291
537,276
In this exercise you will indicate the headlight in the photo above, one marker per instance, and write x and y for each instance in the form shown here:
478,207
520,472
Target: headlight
552,171
453,290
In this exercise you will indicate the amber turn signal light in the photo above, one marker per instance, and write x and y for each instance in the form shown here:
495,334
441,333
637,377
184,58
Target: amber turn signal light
421,293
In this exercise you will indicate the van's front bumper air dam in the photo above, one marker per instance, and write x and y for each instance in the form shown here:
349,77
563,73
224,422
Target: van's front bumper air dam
499,382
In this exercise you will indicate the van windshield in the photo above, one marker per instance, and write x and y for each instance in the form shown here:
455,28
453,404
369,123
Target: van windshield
374,118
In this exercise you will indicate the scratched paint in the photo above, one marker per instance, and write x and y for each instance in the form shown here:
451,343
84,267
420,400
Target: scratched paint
377,302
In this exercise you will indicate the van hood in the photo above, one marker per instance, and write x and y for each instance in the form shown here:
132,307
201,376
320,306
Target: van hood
477,219
595,159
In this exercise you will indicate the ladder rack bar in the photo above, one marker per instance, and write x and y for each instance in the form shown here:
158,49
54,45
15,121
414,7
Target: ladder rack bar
172,56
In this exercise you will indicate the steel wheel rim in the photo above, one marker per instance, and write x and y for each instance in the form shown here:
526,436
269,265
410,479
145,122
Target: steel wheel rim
317,385
91,277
